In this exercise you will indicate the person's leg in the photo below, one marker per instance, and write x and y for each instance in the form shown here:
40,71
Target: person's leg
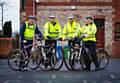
21,58
86,58
29,42
22,63
94,55
52,61
70,44
87,62
47,42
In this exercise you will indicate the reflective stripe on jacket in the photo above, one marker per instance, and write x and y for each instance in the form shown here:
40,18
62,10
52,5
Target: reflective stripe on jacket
71,30
29,31
91,30
51,30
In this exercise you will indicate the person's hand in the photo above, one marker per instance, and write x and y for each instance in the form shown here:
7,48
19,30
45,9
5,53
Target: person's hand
84,36
63,39
73,37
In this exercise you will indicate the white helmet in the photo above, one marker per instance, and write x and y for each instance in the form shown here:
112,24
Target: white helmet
52,16
71,16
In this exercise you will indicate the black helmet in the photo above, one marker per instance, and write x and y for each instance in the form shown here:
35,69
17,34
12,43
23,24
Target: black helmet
32,17
89,17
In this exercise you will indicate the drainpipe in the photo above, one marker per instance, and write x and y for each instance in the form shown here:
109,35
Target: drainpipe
2,16
34,7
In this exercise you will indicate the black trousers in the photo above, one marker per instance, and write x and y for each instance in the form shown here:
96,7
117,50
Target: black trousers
91,45
47,43
29,42
72,43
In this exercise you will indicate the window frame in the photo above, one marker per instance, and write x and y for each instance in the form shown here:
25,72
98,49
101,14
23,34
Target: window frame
103,23
23,5
117,34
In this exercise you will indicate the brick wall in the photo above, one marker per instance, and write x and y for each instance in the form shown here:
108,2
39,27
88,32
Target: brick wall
45,8
76,0
116,44
6,45
62,12
30,7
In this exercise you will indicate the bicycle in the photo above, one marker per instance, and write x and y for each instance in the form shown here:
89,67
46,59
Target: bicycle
42,51
65,56
77,62
56,60
18,59
63,60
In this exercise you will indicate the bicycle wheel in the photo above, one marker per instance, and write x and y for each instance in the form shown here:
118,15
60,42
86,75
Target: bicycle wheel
14,59
75,60
59,62
103,58
66,59
33,60
51,61
83,55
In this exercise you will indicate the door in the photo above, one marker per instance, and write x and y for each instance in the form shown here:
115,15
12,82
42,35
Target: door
100,23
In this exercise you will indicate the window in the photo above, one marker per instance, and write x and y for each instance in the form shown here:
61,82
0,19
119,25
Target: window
117,31
23,3
100,23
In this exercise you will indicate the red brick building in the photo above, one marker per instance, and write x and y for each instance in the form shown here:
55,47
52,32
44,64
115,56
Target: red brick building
105,12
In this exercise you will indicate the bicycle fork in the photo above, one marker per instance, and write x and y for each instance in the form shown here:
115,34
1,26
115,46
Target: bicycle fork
81,57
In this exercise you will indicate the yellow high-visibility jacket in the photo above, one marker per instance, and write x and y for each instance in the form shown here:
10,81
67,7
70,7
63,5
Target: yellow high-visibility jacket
53,31
91,30
70,31
29,31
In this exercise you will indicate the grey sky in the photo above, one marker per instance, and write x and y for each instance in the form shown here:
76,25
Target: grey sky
11,13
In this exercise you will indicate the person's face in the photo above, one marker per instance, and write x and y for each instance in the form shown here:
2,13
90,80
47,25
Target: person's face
52,19
31,21
88,21
71,20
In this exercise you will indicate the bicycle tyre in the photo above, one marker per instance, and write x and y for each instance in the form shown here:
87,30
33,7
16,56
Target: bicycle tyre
66,61
42,62
59,63
103,58
14,59
75,61
32,64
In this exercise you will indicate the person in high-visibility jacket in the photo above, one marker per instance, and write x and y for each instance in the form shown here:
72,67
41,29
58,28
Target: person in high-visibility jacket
71,29
52,31
53,28
28,31
89,32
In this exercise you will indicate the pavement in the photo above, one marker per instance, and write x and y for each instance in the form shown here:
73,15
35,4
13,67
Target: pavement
110,75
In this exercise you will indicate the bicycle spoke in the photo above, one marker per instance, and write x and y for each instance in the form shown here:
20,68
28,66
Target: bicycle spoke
103,58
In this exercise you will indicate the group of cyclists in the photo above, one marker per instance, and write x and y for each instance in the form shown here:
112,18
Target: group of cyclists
72,30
